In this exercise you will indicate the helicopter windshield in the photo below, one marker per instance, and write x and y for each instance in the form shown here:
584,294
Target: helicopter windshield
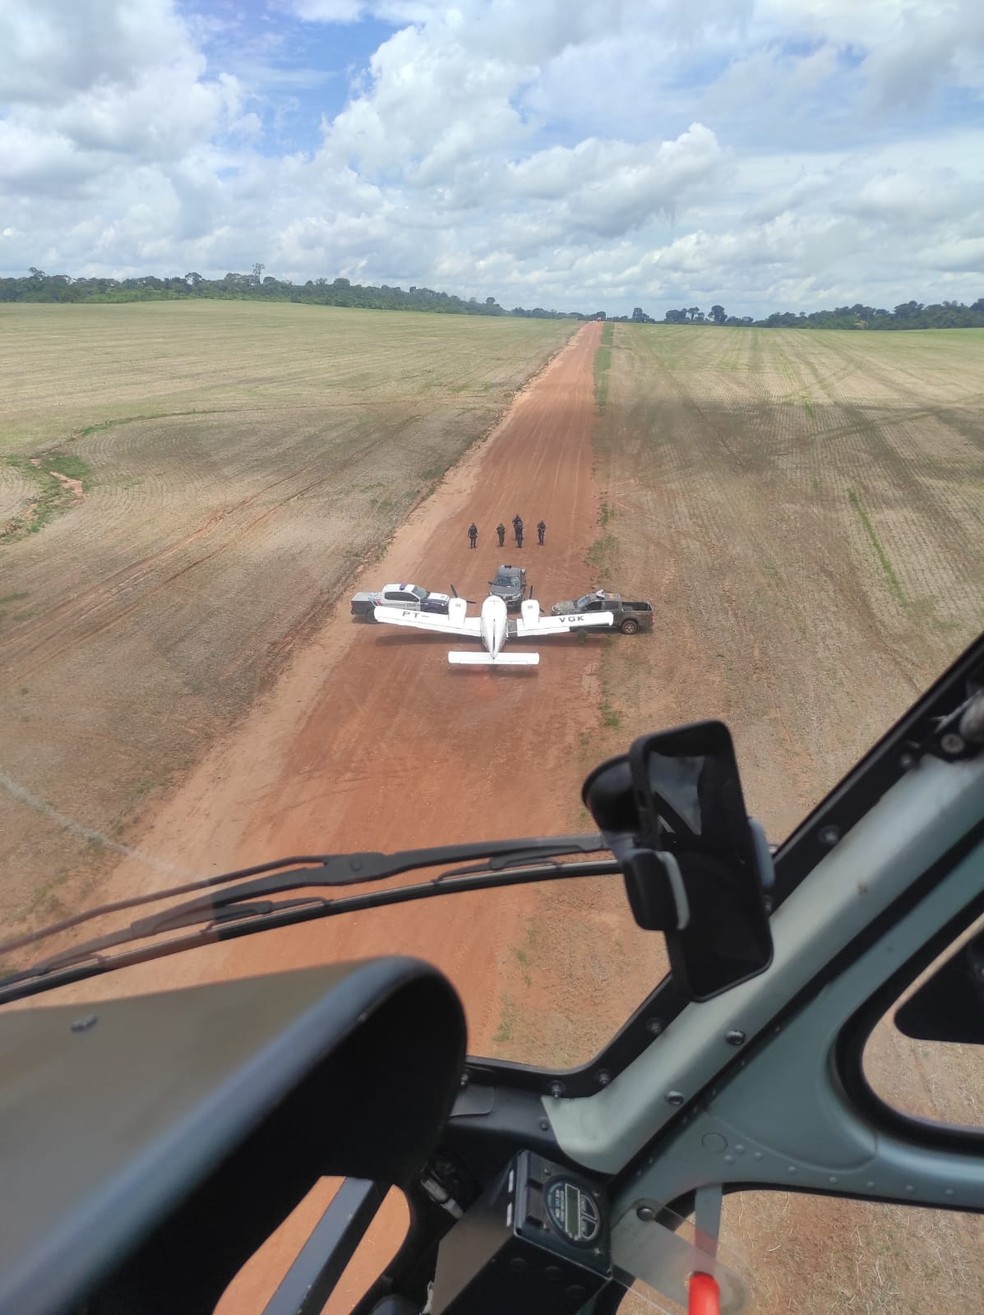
291,299
185,691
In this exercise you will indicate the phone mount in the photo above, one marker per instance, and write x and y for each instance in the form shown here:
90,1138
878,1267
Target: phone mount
695,865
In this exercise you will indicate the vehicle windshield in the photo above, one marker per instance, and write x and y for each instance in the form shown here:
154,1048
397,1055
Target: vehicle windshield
292,296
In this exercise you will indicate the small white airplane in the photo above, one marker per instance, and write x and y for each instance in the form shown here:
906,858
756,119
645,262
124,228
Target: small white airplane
492,628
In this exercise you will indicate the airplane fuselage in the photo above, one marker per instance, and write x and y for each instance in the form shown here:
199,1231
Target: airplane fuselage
494,624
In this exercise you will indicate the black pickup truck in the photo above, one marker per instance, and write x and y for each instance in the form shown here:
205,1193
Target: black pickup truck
630,617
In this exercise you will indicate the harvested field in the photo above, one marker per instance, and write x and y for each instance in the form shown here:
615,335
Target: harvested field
807,511
238,462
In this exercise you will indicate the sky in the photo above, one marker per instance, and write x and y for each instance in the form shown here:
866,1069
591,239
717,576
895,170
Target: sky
580,155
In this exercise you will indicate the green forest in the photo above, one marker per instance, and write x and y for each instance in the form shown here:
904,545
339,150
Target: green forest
37,286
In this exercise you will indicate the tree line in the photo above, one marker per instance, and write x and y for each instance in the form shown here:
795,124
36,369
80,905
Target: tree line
908,315
37,286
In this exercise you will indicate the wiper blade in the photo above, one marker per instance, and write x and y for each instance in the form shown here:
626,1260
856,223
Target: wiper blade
329,870
143,928
238,916
240,902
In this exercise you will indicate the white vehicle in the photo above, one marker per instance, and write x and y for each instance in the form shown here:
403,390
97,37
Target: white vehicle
492,628
407,597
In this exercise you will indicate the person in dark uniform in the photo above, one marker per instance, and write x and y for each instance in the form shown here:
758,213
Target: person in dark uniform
500,530
472,535
541,530
518,528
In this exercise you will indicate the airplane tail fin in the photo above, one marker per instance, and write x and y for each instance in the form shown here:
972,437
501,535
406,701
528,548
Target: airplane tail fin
487,660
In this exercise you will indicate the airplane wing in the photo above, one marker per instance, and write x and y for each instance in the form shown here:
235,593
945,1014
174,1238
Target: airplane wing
560,625
468,625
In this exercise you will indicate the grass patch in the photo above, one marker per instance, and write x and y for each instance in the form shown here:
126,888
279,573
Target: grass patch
46,903
507,1020
525,954
602,365
69,464
600,556
52,495
610,718
876,543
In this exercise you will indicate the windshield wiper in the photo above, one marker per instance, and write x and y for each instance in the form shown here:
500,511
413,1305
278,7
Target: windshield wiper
335,870
245,908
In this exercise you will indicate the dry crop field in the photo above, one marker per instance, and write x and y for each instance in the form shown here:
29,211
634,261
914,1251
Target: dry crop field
220,450
806,510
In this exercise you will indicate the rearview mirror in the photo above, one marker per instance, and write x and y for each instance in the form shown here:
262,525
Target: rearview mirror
695,865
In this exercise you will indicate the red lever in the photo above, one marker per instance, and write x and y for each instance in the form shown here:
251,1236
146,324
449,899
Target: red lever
704,1295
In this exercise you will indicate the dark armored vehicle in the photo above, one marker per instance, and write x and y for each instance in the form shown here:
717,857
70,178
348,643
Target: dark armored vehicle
510,585
630,617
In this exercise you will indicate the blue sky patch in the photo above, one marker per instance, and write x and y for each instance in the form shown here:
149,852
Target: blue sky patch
295,72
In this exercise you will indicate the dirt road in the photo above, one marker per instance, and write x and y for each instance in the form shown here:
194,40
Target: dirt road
371,740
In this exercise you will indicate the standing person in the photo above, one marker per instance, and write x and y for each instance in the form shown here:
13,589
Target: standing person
518,527
541,530
472,535
500,530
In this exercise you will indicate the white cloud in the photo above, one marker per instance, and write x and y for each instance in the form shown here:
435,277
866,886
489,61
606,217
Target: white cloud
610,188
431,106
51,51
611,153
399,13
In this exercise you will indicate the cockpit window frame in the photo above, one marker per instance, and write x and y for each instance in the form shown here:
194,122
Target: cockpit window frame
876,772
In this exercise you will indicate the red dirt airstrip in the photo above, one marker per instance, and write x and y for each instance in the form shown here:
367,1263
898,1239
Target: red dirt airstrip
372,741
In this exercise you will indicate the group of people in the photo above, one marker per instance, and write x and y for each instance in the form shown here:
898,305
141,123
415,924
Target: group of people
500,529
